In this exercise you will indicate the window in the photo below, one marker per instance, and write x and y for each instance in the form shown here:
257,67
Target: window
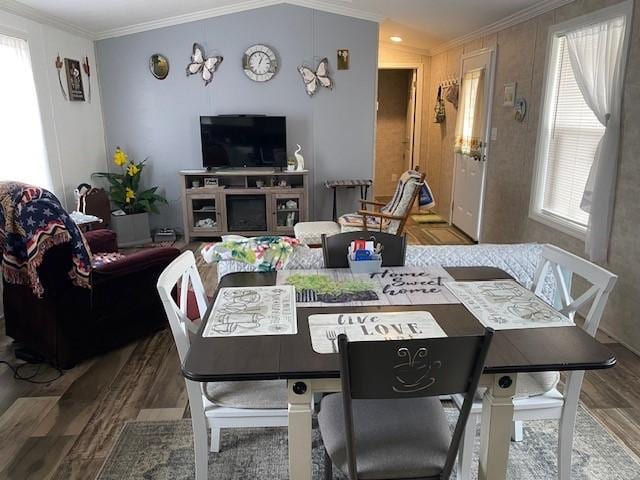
568,136
23,151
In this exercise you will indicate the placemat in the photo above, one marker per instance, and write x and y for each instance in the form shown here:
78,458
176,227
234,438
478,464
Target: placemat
251,311
360,327
390,286
505,305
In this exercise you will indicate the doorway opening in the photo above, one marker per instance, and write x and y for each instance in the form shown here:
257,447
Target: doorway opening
397,127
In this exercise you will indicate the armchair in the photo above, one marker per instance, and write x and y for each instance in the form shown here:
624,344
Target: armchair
70,323
390,217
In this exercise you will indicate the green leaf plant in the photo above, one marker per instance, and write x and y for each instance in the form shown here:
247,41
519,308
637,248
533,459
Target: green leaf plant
124,187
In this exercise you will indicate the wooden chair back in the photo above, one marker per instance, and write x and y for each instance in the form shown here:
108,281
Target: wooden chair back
405,204
398,369
177,277
96,202
393,216
563,266
335,248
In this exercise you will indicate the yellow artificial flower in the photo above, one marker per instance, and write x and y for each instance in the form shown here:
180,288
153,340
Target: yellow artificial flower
132,169
129,195
119,157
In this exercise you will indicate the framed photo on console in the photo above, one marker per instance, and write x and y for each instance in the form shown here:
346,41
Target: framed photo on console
210,182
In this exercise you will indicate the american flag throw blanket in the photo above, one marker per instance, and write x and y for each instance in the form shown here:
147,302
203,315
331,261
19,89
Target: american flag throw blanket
32,221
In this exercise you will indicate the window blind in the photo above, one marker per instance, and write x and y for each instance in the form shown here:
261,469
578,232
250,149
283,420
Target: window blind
573,139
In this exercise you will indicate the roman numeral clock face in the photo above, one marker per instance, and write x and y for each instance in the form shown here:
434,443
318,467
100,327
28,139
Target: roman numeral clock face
260,63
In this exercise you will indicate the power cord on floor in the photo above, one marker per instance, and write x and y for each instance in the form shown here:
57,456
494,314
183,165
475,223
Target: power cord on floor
31,378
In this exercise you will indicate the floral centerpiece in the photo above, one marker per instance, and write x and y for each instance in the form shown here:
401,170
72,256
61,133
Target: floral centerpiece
131,219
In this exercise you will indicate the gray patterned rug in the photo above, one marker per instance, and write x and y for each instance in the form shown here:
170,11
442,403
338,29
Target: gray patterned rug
164,451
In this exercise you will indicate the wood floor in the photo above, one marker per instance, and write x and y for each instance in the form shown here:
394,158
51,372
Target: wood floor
65,429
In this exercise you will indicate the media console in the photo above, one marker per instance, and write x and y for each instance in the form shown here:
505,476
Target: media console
247,202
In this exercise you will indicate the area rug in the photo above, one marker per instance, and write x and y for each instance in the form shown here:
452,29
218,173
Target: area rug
164,451
428,218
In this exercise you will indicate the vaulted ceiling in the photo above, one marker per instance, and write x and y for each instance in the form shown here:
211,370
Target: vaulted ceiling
423,24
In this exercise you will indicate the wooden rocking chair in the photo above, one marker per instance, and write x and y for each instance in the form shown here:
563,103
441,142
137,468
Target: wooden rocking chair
390,217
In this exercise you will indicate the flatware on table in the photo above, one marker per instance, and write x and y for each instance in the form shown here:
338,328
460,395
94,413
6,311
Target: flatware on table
333,337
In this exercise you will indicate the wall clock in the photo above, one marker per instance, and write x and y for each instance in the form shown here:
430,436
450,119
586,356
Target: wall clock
260,63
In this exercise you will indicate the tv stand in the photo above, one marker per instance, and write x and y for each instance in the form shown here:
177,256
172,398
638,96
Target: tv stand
243,201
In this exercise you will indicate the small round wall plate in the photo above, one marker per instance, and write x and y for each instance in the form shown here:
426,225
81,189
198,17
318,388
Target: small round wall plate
159,66
260,63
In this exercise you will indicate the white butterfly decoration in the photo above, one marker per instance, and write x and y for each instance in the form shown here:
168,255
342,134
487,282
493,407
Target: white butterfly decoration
320,76
199,63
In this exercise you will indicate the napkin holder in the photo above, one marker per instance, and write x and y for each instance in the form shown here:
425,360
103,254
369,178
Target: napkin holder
358,264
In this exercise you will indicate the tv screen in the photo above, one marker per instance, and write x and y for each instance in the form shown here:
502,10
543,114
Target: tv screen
237,141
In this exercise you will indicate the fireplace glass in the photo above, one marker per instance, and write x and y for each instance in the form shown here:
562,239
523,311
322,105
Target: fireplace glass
246,213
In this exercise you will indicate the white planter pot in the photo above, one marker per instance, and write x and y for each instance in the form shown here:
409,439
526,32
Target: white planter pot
132,230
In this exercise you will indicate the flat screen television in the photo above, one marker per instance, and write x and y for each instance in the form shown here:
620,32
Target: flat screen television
237,141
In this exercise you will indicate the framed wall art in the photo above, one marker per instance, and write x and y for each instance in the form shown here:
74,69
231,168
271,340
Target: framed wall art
343,59
74,79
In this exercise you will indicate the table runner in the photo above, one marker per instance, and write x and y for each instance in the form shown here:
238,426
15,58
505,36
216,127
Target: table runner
505,304
390,286
251,311
359,327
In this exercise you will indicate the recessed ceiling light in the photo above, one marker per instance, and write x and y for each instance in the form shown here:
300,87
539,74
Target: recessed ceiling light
395,39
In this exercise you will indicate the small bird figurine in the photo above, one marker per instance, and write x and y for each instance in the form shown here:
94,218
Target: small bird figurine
299,158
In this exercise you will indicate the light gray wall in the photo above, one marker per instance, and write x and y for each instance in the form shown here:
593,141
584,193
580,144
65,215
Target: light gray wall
521,58
160,119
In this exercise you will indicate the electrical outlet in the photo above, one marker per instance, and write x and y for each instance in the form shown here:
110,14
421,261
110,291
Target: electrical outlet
394,177
494,134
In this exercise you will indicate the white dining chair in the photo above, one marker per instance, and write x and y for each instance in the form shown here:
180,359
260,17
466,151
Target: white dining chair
535,401
220,404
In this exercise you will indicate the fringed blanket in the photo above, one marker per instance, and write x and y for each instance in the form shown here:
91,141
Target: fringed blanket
31,222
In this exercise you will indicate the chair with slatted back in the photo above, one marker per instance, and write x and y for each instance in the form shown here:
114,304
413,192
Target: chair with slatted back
388,422
335,248
537,399
220,404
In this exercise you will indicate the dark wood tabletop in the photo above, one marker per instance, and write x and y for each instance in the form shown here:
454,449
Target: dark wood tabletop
291,356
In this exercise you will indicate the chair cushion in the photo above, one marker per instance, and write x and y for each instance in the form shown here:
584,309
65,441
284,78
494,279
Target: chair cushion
531,384
397,194
407,438
267,253
352,222
310,233
271,394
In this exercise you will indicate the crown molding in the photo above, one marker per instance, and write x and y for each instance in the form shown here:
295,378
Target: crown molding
514,19
236,8
22,10
338,9
405,48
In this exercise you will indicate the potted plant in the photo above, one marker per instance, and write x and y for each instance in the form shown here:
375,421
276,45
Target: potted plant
131,219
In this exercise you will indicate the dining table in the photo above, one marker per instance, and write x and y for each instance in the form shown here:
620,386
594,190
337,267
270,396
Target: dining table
292,358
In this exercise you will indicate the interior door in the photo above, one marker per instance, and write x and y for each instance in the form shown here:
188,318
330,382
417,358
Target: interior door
469,172
410,123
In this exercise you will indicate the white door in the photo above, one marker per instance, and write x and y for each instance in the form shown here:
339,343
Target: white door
410,125
469,171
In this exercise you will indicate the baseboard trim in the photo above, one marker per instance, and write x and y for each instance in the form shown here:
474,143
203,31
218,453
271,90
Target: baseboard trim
621,342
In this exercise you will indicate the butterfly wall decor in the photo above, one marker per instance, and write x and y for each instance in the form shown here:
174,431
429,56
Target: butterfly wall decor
313,79
201,64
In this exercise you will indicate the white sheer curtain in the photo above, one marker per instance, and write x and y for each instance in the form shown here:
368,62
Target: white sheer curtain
595,52
22,146
468,141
